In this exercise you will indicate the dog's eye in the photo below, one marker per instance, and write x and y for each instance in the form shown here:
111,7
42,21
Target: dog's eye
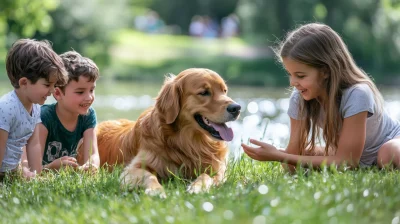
225,91
205,93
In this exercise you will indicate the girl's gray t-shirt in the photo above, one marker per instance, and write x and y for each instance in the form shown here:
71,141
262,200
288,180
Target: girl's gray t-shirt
356,99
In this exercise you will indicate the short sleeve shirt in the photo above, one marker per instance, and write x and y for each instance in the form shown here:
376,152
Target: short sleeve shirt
60,141
19,124
356,99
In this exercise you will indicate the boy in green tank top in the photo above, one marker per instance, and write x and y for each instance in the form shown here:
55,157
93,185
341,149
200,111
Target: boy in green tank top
71,119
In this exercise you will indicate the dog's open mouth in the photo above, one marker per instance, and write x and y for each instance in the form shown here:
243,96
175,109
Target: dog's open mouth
218,131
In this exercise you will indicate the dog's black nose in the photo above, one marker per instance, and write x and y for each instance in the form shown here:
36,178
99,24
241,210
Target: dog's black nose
234,109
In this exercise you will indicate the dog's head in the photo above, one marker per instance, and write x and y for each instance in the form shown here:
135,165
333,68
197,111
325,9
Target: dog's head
198,97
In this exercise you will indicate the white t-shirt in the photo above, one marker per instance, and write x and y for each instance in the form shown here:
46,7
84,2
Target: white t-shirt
356,99
19,124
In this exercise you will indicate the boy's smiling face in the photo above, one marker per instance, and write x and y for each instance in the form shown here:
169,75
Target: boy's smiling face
37,93
77,96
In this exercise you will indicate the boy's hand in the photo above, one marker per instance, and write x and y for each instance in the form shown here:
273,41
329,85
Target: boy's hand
63,162
92,168
27,174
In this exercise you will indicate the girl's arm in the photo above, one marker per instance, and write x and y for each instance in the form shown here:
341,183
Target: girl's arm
350,147
294,143
91,157
33,155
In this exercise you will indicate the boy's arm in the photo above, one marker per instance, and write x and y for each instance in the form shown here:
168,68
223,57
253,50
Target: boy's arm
90,151
35,148
3,144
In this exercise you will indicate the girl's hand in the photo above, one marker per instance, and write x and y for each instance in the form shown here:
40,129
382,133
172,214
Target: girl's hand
63,162
265,152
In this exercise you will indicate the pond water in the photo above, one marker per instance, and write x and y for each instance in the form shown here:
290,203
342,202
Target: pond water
263,109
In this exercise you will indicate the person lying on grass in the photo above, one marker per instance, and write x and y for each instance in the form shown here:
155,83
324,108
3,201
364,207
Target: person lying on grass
333,95
70,120
33,69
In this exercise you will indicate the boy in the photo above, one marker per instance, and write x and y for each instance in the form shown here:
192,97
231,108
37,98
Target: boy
33,69
69,120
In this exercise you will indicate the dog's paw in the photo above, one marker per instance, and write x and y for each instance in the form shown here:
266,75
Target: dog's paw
201,185
196,188
159,191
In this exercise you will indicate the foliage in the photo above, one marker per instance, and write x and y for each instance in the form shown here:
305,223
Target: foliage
23,18
369,27
254,192
87,27
259,72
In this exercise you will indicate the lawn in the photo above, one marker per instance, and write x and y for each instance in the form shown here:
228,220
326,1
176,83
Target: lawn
254,192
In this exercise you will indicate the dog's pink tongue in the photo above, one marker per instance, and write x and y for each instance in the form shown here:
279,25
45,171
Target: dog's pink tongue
225,132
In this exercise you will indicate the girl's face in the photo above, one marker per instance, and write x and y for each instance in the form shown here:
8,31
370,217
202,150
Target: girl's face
306,79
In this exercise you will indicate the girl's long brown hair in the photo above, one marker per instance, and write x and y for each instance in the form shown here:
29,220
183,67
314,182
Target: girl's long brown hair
319,46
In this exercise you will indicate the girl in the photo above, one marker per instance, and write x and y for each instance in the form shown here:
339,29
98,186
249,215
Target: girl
333,94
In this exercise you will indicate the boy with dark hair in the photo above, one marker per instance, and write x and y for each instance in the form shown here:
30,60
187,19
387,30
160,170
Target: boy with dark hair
33,69
71,119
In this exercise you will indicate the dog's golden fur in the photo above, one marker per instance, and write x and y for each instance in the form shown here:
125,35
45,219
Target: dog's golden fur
166,139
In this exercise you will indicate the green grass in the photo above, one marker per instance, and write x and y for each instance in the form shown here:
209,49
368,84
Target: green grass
254,192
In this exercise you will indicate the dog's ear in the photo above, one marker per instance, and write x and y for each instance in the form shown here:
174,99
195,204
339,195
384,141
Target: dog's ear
167,101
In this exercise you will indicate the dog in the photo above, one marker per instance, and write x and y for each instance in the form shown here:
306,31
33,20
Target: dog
183,134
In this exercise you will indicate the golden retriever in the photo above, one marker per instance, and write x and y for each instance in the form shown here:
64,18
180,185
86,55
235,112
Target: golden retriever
184,134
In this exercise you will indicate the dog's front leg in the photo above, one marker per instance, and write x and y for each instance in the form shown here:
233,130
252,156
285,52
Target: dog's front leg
201,184
220,177
204,182
134,175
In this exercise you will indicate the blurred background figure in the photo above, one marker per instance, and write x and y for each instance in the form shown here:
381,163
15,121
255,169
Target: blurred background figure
197,26
149,23
230,26
211,28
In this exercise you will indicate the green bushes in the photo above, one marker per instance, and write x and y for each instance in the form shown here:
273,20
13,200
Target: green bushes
236,71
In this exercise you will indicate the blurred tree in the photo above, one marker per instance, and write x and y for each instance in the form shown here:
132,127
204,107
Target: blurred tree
371,28
23,18
386,33
88,27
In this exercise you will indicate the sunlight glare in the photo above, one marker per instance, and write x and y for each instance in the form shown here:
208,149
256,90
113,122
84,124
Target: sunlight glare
317,195
252,107
274,202
208,207
263,189
189,205
259,219
228,214
396,220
